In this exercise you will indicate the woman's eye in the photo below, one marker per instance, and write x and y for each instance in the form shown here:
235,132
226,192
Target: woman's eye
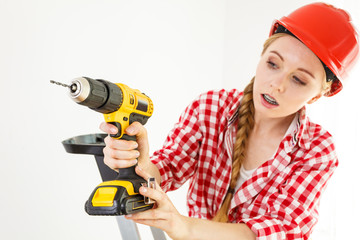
271,64
298,81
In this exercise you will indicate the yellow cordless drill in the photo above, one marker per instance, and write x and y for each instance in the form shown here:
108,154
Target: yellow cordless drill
121,106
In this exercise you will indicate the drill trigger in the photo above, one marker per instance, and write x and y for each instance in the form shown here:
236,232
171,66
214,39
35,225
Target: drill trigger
118,126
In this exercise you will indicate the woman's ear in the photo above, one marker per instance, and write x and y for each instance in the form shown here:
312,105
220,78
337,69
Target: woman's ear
314,99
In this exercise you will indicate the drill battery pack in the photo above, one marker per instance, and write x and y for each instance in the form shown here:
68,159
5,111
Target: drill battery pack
119,193
117,197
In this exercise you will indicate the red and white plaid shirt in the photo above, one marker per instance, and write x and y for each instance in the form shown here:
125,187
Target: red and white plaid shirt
279,201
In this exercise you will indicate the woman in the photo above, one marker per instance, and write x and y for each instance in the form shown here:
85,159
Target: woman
257,165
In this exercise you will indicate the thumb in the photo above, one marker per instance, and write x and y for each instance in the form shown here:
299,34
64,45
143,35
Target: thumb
138,130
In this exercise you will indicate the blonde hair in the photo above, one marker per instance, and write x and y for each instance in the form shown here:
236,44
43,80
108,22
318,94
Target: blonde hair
245,126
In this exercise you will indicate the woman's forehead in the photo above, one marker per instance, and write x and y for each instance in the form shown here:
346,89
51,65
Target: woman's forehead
293,50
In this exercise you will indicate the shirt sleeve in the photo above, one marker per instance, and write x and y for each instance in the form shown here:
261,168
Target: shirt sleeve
291,211
177,159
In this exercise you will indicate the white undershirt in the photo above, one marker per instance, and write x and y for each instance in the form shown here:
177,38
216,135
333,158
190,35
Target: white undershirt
246,174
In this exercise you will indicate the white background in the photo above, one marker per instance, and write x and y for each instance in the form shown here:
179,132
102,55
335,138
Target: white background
172,51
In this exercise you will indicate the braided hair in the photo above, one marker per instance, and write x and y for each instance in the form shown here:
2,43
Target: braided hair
245,126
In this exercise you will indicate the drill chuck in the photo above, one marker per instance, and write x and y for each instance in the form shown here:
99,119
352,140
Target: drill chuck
99,95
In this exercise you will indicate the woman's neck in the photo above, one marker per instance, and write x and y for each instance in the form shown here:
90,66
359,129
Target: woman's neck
272,126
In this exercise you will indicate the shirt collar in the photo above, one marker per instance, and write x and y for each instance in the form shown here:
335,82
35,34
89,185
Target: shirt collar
234,110
298,130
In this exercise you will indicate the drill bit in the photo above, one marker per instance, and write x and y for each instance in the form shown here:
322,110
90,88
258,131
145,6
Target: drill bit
59,83
72,88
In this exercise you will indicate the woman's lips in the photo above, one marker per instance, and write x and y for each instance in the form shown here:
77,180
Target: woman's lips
268,101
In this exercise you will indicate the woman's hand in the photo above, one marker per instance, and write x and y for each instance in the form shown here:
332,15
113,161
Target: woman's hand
122,153
164,215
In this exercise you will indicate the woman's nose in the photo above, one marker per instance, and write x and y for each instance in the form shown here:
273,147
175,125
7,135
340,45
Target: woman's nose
279,83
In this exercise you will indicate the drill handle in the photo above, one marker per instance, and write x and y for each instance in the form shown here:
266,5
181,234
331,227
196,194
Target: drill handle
129,173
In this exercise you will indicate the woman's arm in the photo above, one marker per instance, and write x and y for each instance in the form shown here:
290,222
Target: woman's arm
206,229
166,217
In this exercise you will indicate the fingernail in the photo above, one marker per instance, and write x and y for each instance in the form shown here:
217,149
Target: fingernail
129,215
136,144
143,189
113,130
130,130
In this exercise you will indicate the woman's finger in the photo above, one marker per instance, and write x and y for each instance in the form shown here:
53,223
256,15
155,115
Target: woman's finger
108,128
117,164
121,155
153,214
120,144
156,194
138,130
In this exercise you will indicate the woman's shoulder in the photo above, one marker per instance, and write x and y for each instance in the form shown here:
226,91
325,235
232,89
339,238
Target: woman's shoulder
315,131
316,138
220,97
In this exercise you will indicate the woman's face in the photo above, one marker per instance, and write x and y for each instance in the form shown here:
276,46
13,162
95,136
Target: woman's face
288,76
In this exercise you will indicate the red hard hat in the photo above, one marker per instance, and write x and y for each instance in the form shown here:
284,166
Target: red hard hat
329,33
